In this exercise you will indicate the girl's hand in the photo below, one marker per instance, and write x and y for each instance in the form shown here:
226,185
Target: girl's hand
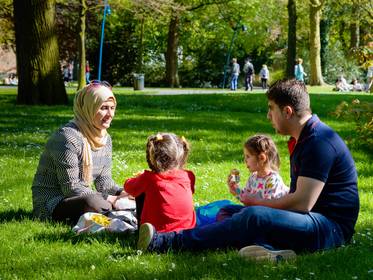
232,186
248,200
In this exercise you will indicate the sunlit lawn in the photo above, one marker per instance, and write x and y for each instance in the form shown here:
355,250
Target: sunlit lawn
216,126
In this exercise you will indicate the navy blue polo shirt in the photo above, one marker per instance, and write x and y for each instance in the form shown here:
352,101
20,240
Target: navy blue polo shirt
322,155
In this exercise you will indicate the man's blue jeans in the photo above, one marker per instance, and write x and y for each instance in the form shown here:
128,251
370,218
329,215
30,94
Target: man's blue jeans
273,228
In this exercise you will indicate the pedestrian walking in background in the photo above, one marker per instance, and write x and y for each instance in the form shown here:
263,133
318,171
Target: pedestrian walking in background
249,73
235,74
87,72
299,71
264,76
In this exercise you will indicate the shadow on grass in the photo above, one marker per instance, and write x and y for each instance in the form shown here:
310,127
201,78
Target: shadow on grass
125,239
15,215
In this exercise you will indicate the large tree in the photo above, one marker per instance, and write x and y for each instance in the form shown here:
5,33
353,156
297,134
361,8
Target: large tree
38,67
292,38
315,46
172,75
81,44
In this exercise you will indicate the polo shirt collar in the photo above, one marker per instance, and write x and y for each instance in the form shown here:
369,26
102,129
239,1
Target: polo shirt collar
306,132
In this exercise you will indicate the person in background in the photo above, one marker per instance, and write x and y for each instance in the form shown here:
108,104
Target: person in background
299,71
369,78
249,74
235,74
70,68
264,76
87,72
356,86
65,73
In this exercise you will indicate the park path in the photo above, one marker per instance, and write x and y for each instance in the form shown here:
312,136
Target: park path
181,91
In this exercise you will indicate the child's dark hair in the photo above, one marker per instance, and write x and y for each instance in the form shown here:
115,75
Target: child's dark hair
264,144
166,151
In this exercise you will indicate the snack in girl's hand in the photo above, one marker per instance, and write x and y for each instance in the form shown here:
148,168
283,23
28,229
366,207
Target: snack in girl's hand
235,176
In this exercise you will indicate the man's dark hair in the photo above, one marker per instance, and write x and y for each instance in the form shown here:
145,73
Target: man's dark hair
290,93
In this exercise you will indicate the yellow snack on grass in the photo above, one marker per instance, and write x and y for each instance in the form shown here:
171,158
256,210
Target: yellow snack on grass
101,220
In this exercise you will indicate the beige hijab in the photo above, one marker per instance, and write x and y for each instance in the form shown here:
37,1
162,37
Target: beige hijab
86,104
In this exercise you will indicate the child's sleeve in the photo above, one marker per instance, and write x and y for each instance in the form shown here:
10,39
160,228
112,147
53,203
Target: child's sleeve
249,184
275,187
136,185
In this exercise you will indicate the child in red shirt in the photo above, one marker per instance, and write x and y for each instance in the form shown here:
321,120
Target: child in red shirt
168,188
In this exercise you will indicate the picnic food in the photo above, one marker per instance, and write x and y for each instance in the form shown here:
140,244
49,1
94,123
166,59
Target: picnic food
101,220
235,176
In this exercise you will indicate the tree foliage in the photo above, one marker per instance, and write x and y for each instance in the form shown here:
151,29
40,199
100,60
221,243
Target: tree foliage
186,42
7,38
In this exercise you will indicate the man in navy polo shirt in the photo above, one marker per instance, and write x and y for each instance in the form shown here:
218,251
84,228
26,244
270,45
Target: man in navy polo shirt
320,211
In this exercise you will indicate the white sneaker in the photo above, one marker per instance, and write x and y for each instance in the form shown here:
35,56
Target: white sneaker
260,253
146,234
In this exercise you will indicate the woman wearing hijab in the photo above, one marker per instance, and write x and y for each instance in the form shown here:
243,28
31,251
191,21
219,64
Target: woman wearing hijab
74,172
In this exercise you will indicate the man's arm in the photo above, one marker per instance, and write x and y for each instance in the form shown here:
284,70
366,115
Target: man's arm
302,200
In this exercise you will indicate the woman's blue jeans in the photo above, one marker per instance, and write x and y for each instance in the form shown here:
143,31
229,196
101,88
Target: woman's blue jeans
272,228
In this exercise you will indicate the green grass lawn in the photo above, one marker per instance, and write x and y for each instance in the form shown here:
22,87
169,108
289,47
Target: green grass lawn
216,126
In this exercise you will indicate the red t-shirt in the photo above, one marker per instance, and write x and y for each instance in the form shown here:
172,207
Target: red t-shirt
168,204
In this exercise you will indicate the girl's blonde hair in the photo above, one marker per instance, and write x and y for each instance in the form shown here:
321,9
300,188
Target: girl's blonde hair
166,151
260,143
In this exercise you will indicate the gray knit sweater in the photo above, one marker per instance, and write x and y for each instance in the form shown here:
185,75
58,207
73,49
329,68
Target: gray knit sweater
59,174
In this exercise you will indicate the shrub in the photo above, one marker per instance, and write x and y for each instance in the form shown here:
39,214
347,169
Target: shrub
362,113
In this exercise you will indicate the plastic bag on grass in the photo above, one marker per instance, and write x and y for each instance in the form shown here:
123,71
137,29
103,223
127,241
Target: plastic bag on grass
94,222
206,214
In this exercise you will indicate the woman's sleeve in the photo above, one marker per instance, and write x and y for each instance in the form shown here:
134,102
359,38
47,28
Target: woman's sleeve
64,151
136,185
104,182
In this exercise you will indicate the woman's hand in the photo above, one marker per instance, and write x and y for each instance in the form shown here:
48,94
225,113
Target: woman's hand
112,199
122,194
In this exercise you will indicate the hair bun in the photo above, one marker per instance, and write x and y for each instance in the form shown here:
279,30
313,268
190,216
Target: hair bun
159,137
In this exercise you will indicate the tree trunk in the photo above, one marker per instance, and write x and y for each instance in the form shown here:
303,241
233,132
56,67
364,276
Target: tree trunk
171,54
355,35
292,38
40,78
81,44
341,31
324,39
315,61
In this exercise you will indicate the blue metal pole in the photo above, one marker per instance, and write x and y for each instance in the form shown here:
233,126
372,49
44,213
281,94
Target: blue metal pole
229,55
102,40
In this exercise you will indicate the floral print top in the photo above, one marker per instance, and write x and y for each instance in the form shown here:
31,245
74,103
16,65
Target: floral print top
267,187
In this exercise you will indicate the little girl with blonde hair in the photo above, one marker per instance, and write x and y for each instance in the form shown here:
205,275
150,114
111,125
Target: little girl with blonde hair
164,194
